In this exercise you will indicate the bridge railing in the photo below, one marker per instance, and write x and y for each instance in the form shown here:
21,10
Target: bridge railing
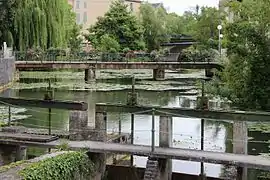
103,57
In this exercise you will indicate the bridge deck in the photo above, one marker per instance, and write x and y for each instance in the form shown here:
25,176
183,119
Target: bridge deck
174,153
24,65
6,136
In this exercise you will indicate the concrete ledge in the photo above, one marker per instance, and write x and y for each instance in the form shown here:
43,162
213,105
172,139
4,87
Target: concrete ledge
185,112
55,104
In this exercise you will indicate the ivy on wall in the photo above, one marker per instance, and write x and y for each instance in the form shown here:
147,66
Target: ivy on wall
67,166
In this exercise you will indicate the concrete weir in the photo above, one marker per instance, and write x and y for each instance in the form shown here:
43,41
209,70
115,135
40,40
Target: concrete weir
7,70
89,74
78,122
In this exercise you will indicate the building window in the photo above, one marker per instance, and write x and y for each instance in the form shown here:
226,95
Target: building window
85,17
77,4
78,18
131,7
85,4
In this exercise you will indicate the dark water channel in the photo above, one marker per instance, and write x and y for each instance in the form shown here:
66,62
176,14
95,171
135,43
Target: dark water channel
186,131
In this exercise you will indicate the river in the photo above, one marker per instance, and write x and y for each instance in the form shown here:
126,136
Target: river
186,131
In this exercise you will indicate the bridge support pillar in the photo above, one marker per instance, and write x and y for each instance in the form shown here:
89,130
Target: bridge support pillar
20,153
11,153
240,145
89,74
158,74
209,73
100,135
77,123
165,140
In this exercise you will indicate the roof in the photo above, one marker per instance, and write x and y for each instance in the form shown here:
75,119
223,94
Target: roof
135,1
157,5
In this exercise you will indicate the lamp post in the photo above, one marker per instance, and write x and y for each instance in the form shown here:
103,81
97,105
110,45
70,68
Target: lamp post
219,27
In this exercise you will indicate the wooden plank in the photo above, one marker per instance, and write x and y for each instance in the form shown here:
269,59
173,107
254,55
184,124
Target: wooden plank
5,136
249,161
186,112
54,104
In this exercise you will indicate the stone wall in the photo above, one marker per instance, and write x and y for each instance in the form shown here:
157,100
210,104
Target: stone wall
7,71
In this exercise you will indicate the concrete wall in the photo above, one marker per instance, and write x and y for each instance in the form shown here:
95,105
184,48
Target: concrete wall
7,71
127,173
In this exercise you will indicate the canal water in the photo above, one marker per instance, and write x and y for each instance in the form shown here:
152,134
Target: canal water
179,91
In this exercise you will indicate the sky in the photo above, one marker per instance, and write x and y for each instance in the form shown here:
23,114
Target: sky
179,6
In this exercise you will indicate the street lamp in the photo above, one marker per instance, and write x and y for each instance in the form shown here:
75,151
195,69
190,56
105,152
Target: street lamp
219,27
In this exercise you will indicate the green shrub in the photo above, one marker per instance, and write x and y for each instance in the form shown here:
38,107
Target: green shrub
67,166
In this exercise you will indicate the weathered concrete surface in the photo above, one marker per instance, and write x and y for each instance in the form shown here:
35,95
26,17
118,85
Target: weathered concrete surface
136,173
173,153
101,135
158,74
77,124
27,137
28,65
89,74
55,104
240,145
11,153
165,140
182,112
7,72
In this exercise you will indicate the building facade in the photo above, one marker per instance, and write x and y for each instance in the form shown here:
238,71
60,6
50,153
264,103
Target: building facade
87,11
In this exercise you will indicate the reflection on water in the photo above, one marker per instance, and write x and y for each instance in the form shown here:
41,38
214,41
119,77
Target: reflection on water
186,131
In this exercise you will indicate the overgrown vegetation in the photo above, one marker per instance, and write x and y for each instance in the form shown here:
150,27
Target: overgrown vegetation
68,166
245,78
27,24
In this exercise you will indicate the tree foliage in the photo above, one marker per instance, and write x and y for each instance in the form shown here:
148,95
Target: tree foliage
175,24
154,22
247,71
38,23
119,24
69,166
75,39
7,14
205,28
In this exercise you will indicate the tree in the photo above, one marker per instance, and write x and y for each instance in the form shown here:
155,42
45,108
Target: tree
154,23
38,23
108,43
189,21
7,14
247,72
175,24
119,24
205,30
